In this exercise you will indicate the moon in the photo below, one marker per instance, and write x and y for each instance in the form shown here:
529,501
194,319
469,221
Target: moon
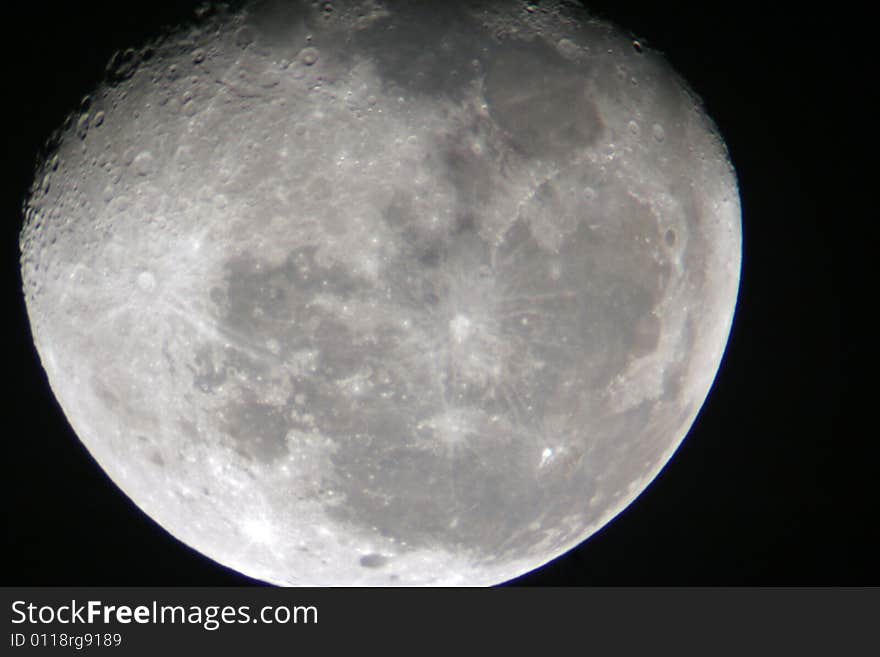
384,293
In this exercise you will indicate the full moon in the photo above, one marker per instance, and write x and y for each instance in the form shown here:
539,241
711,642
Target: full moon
383,293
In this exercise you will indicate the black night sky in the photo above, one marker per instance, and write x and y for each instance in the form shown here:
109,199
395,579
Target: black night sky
774,484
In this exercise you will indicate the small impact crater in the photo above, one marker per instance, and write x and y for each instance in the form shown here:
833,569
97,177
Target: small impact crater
373,560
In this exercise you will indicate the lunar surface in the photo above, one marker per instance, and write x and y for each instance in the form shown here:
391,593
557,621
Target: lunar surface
384,293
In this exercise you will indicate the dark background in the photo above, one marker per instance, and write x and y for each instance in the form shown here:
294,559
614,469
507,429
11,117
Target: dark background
776,482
